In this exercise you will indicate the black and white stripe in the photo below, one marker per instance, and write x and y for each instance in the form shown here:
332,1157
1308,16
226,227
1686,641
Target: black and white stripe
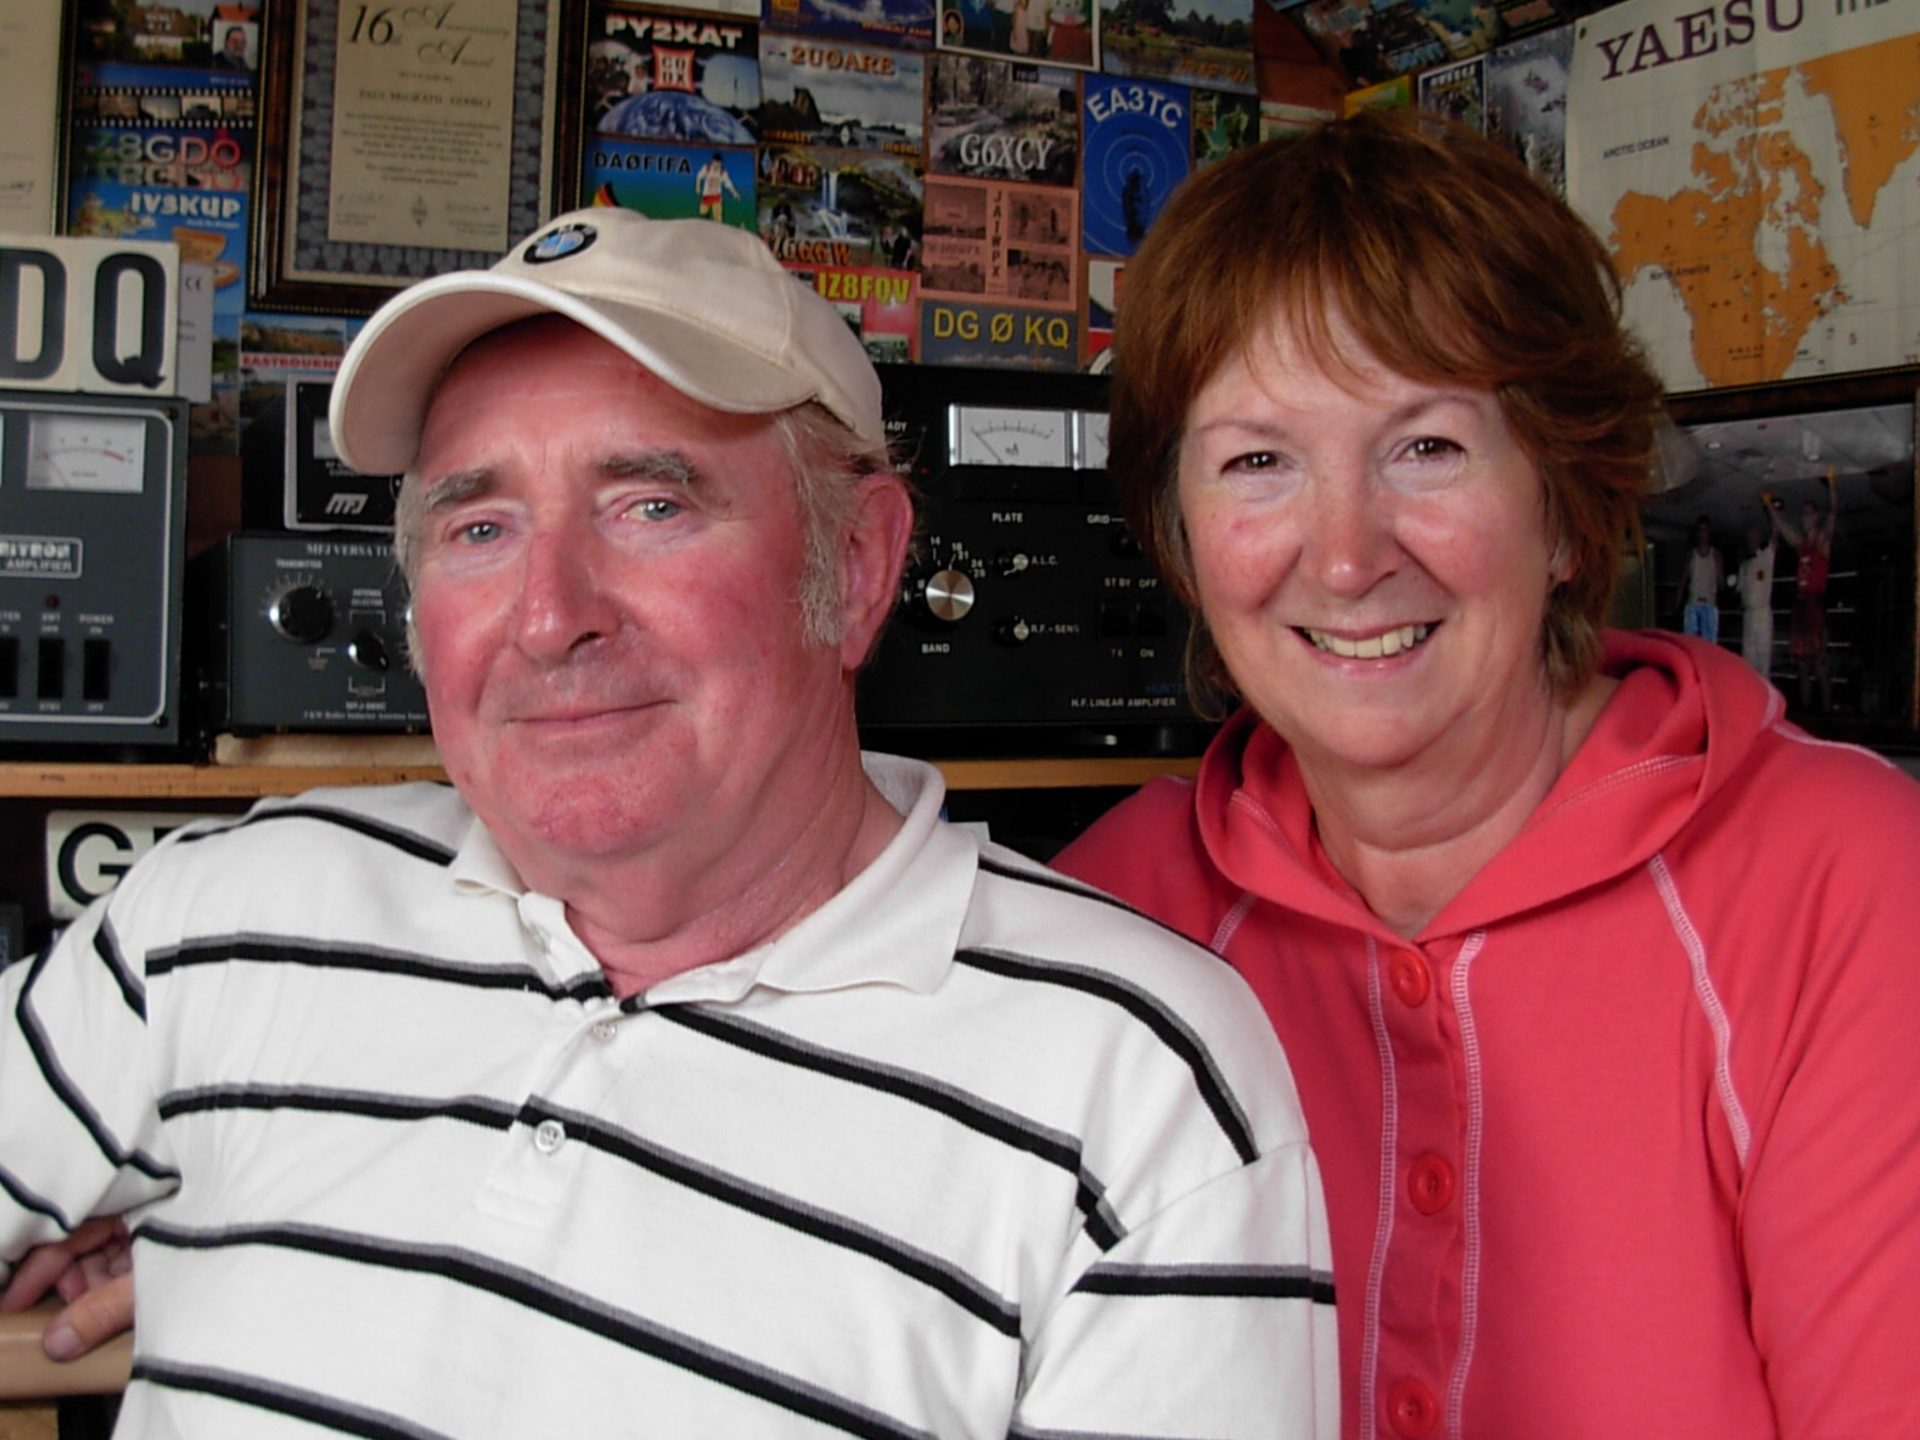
1172,1031
1234,1282
994,1121
570,1307
62,1085
408,842
267,949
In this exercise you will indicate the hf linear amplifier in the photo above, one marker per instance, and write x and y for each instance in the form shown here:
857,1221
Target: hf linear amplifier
92,538
1029,622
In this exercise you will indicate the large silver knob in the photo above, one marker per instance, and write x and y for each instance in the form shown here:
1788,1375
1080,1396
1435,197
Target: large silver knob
949,595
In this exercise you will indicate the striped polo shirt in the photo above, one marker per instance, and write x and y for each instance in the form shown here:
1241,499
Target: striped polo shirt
969,1151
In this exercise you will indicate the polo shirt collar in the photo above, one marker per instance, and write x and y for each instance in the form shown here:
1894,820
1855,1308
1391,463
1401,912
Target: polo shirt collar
897,922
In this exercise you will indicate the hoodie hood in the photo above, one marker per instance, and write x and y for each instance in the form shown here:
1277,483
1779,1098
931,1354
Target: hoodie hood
1683,719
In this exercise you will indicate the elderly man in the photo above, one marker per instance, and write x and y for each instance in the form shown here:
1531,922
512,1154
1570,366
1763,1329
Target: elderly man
676,1071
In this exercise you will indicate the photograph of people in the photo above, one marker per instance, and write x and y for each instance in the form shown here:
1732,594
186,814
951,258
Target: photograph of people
1812,542
1755,584
234,47
712,183
1700,585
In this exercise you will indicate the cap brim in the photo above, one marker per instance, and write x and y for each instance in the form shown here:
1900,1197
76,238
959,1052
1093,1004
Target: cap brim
383,387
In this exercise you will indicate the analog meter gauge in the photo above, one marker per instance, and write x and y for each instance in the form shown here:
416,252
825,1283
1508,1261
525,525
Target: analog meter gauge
1093,439
89,451
1005,435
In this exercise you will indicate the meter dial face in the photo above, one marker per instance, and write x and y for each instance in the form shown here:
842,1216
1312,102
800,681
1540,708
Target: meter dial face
80,450
323,440
1093,439
1004,435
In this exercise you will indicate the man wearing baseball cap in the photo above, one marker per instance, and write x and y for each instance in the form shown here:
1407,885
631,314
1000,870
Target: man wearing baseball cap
677,1071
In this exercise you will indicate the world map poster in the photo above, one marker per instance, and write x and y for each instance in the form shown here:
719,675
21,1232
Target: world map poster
1754,168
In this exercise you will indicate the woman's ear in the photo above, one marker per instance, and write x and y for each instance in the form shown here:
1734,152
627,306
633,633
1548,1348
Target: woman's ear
1559,564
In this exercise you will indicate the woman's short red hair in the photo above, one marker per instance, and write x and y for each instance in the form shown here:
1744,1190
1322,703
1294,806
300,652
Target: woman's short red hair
1450,263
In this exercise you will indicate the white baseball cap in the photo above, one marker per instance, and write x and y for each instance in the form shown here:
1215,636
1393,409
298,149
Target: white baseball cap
704,306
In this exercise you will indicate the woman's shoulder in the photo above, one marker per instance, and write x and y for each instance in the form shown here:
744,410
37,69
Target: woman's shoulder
1154,816
1813,807
1147,850
1855,785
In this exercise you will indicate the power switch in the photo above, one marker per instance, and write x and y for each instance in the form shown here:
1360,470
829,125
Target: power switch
51,681
95,667
9,667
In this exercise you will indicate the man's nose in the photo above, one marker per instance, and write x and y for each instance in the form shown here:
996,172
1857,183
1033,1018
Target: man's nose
1350,544
563,603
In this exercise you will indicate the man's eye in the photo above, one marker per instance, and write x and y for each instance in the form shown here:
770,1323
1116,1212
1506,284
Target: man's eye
657,509
477,532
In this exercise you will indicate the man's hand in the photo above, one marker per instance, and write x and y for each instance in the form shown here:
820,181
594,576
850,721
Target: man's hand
92,1270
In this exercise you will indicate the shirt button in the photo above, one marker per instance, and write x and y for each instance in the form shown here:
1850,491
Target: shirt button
1430,1184
602,1031
549,1137
1408,976
1411,1409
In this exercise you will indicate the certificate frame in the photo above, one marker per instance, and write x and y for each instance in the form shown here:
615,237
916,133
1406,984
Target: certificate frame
294,265
38,44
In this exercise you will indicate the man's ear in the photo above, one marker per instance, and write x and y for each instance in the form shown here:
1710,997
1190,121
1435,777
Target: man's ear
870,564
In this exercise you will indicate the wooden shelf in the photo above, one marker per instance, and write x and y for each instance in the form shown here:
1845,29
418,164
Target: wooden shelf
1058,774
26,1374
290,775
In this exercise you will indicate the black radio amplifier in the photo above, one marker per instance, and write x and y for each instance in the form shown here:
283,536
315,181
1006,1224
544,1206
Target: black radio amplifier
1029,621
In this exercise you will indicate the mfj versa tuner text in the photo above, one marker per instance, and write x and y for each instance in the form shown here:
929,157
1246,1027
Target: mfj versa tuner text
305,633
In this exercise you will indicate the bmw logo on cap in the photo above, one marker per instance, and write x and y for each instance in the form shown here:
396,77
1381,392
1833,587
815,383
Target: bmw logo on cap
558,244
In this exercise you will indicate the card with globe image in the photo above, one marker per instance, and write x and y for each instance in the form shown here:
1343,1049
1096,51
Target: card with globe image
668,75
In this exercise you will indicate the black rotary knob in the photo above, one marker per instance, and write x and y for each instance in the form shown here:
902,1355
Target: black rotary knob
1012,631
303,614
369,652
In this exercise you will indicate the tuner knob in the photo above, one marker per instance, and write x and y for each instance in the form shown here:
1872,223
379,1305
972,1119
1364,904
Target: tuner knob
369,652
1012,631
949,595
303,614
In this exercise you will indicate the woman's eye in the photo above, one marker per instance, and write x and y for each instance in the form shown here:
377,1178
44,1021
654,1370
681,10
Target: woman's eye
1432,447
1254,460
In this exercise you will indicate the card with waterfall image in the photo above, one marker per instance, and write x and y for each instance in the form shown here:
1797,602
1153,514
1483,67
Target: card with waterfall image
839,207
